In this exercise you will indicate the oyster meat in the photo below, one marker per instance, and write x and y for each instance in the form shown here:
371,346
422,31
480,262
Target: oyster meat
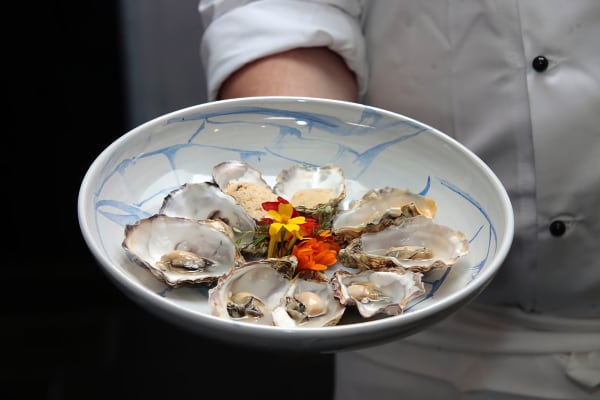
180,251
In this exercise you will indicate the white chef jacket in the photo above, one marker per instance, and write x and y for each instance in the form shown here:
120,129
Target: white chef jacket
518,82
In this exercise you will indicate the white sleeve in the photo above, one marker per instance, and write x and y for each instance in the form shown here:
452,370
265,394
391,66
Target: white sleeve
238,32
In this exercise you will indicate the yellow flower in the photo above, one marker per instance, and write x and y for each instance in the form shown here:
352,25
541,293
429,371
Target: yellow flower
284,228
282,218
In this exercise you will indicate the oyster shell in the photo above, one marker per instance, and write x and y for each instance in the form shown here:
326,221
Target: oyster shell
379,208
316,192
180,250
309,302
378,291
250,292
245,184
205,200
416,243
233,171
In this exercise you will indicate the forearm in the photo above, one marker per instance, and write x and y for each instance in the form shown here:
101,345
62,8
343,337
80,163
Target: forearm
310,72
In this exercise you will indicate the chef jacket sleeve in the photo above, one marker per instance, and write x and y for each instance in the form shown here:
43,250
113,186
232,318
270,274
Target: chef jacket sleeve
238,32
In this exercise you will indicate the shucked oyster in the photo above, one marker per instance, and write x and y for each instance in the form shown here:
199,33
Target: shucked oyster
378,209
416,243
250,292
309,302
378,291
205,200
180,250
267,292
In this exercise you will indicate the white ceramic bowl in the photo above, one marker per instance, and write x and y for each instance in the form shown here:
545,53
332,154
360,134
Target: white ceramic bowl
375,148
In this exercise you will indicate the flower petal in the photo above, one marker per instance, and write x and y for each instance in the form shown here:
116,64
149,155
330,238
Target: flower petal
274,229
286,210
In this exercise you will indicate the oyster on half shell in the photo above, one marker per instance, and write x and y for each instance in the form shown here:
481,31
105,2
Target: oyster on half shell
205,200
309,302
416,243
250,292
384,291
181,251
378,209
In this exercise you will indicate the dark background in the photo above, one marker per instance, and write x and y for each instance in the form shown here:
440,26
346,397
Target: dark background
66,331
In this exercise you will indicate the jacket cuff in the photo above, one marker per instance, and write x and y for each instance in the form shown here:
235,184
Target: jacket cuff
258,29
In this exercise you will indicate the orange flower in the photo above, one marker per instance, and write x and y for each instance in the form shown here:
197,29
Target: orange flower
309,227
329,239
316,253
